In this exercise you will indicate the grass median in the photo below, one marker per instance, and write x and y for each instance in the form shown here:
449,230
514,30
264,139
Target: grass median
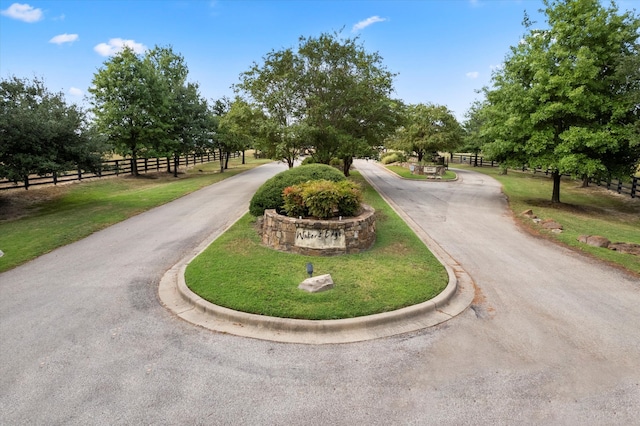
237,272
41,219
583,211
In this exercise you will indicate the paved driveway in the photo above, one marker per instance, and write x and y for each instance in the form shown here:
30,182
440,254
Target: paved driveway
552,337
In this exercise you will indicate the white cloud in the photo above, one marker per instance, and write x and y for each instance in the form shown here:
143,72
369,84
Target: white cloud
473,74
116,45
369,21
23,12
74,91
64,38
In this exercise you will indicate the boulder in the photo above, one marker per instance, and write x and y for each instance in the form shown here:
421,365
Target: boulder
629,248
528,213
550,224
317,284
594,240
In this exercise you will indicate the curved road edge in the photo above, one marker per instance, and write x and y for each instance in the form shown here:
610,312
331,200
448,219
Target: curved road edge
454,299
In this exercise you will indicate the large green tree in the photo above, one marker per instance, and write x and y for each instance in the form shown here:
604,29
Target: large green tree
347,98
472,139
275,87
241,124
329,94
126,102
40,133
427,129
145,106
564,100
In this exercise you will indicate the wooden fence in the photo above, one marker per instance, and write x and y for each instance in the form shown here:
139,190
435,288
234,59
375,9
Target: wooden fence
115,168
629,187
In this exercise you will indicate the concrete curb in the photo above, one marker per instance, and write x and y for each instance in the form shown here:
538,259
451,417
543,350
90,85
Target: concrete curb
454,299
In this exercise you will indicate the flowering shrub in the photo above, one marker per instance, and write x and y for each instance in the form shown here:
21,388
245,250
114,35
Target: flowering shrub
269,195
322,199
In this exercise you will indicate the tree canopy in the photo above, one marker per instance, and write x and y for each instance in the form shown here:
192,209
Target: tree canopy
427,129
145,106
40,133
567,97
329,94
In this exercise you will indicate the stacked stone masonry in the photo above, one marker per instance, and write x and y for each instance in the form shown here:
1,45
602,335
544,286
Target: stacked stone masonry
315,237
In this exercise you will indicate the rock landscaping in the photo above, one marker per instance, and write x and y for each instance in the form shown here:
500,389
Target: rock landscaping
591,240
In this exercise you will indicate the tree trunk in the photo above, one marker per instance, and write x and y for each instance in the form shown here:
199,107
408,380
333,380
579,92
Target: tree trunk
243,156
585,181
346,165
290,161
475,161
221,159
134,164
226,160
168,164
176,162
420,156
555,198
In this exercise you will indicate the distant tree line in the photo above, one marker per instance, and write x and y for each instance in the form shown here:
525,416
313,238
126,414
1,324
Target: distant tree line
566,99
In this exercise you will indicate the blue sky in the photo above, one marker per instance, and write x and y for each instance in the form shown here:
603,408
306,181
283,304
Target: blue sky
442,50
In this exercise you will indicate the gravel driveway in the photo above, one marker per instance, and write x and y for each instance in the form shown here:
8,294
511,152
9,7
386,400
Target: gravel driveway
552,337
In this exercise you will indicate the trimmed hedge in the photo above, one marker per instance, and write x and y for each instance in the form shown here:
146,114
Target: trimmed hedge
269,195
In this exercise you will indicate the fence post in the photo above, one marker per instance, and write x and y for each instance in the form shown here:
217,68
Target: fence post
481,159
79,174
619,186
117,168
157,164
634,186
146,165
55,178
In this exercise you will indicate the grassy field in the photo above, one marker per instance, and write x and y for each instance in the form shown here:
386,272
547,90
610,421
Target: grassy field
406,173
41,219
582,211
237,272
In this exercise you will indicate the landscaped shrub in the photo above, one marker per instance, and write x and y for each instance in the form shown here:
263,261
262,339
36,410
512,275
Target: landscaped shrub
308,160
393,157
269,195
322,199
335,162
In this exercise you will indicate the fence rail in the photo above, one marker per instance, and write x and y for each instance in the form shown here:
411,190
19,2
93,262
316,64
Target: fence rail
114,168
629,188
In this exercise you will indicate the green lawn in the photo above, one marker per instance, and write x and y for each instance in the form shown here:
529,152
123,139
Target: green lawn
39,220
582,211
237,272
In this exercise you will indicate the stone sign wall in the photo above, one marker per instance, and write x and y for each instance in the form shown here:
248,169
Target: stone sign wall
417,169
319,237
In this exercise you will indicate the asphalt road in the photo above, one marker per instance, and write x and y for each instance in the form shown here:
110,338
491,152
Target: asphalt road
552,337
